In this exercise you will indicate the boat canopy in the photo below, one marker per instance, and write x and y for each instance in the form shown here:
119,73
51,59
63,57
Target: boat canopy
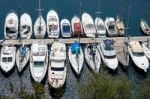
77,27
23,50
75,48
66,28
136,47
108,44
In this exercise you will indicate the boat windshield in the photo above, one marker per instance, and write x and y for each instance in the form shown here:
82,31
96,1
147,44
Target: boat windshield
138,53
100,27
109,48
66,29
53,28
111,27
38,63
11,30
7,59
110,57
25,29
57,68
90,26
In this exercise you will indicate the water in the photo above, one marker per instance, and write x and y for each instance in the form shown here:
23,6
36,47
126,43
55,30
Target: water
67,9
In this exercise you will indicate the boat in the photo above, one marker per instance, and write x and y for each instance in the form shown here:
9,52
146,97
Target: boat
108,54
76,27
65,28
120,26
57,65
111,27
100,27
8,53
38,61
25,26
88,25
146,48
138,56
53,28
145,27
92,57
22,57
76,57
40,25
11,26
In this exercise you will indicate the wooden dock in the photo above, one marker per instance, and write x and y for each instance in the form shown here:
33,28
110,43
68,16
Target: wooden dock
118,40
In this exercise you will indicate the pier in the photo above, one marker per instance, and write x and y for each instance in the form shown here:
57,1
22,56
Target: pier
118,40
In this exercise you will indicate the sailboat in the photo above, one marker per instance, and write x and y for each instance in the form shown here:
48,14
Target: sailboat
122,51
38,61
53,28
57,65
65,28
25,26
99,24
88,25
92,57
120,26
138,56
40,25
22,57
11,26
145,27
8,54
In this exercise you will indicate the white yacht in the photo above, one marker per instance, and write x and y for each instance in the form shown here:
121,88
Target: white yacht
11,26
92,57
40,28
120,26
22,57
76,57
57,65
145,27
53,28
25,26
111,26
76,27
138,56
8,53
108,54
146,48
100,27
38,61
65,28
88,25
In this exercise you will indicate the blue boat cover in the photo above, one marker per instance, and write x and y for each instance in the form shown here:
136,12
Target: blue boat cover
75,48
23,50
108,42
66,29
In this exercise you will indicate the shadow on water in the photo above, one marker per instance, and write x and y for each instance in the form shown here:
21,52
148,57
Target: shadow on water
8,73
57,93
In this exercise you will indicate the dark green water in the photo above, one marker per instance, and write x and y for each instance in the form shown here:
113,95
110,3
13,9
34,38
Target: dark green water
67,9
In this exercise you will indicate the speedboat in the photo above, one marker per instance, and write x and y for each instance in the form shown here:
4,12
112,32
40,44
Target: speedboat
146,48
76,57
92,57
25,26
11,26
38,61
8,52
76,27
145,27
120,26
65,28
138,56
88,25
108,54
40,27
100,27
57,65
111,26
53,24
22,57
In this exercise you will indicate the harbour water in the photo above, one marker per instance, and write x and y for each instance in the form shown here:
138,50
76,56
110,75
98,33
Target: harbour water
9,86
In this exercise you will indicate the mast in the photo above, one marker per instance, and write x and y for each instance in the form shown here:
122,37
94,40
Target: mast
80,11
